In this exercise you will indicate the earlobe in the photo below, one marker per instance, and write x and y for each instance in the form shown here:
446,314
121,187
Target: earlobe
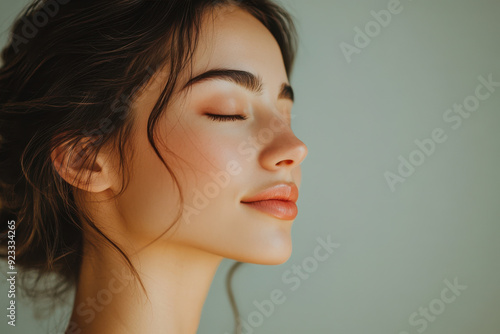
74,163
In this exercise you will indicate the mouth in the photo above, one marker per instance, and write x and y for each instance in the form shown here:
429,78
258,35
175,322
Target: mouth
277,201
281,209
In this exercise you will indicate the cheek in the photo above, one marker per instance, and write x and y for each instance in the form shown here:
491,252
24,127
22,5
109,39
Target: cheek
150,201
203,150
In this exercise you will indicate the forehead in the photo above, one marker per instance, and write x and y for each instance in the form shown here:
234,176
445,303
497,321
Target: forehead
232,38
229,38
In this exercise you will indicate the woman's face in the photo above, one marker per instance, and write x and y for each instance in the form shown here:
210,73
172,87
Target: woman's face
218,163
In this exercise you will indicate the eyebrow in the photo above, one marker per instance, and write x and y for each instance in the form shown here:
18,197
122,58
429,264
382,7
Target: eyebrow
245,79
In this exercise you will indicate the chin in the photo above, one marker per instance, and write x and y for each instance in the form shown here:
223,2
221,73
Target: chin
275,252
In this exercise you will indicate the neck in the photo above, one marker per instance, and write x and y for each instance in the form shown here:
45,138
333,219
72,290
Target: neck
110,300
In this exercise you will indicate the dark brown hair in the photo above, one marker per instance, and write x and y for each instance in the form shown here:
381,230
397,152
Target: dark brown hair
70,72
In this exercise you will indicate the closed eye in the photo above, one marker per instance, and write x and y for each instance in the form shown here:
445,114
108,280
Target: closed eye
226,118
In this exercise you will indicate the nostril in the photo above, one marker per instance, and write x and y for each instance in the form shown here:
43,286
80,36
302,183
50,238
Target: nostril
285,162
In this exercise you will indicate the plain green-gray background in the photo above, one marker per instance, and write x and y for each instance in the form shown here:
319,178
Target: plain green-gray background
396,248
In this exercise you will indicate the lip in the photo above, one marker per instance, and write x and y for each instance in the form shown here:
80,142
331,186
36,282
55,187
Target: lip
278,201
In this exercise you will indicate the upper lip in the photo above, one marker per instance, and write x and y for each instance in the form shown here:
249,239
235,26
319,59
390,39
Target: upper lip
281,191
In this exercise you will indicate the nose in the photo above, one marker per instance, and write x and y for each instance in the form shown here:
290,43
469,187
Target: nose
285,150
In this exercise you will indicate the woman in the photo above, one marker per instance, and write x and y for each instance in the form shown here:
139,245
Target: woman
142,143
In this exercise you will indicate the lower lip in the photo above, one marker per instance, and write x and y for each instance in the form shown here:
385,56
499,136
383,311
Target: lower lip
286,210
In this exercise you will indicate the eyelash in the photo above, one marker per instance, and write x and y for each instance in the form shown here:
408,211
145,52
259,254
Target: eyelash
226,118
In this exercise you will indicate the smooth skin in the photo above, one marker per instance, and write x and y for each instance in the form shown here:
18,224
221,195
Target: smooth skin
178,268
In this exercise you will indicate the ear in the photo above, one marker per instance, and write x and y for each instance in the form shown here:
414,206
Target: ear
74,164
